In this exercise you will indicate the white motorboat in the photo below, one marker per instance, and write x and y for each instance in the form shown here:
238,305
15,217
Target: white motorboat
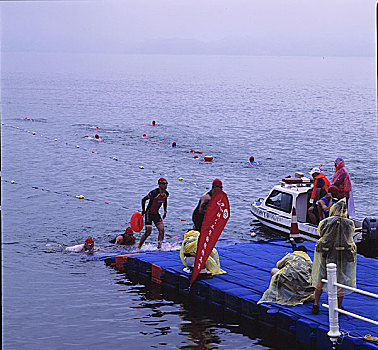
276,209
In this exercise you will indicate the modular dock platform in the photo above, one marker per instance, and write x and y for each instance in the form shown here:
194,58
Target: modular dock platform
248,268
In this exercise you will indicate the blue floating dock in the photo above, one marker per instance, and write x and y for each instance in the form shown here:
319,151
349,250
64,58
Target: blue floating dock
248,268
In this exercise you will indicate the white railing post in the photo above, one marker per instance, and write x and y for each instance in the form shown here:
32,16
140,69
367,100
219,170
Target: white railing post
334,331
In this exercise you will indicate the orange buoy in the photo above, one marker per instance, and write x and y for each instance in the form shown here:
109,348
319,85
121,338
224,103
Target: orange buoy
137,222
208,158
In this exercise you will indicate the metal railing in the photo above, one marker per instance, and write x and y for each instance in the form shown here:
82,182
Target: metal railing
334,330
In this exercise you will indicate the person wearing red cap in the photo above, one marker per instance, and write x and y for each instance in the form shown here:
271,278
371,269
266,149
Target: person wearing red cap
127,238
87,247
199,212
156,198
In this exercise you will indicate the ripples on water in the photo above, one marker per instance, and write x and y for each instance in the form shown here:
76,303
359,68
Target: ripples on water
290,113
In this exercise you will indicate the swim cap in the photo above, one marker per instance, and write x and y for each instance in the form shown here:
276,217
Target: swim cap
89,240
129,231
97,136
162,180
217,183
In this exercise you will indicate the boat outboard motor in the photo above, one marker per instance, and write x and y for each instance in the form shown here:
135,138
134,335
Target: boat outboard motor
369,242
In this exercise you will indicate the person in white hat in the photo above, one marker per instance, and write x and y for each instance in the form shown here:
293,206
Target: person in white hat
319,190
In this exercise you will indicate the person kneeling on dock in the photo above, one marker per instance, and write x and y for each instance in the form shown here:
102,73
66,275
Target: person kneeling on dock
291,280
127,238
188,253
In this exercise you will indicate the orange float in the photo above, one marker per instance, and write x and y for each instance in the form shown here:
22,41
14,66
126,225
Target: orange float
208,158
137,222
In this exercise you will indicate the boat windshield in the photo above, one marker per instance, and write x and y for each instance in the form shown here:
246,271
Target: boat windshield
280,200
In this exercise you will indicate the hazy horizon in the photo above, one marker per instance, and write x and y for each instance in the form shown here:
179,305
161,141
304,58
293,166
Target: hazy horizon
240,27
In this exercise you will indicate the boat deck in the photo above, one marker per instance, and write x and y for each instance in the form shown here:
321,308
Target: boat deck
248,268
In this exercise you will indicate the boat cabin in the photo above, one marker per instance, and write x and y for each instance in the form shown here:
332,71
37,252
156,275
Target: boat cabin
291,191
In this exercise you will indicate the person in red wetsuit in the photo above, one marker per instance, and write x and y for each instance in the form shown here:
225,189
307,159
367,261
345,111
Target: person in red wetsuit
156,198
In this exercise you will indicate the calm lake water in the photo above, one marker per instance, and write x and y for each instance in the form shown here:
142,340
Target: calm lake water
290,113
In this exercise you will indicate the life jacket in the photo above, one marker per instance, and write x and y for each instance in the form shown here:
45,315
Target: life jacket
325,186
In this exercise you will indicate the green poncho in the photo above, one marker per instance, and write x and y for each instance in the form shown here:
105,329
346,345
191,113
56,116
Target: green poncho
291,285
336,246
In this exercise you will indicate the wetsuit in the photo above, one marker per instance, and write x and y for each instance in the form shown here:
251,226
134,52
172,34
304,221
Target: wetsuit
156,199
197,216
128,239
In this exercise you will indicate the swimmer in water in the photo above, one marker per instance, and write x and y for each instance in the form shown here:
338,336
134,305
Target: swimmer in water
86,247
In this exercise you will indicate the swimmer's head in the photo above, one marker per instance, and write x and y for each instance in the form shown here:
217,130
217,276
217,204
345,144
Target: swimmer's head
129,231
97,136
89,243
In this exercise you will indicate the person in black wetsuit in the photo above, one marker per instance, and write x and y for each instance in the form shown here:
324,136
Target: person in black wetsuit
199,212
156,198
127,238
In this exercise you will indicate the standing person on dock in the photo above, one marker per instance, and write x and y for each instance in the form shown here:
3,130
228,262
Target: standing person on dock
200,210
335,246
156,198
319,190
342,185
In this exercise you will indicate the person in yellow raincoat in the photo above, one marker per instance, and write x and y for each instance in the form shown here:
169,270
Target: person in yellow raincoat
335,246
291,280
189,250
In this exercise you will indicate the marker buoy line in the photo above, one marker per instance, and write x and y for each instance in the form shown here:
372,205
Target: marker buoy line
208,158
114,158
63,193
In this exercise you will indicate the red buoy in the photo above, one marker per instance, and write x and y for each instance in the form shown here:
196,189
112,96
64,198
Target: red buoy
137,222
208,158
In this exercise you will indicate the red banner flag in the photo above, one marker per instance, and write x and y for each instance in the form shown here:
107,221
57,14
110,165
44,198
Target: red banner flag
216,217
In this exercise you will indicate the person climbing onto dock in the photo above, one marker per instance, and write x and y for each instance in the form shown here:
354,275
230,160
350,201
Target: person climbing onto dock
335,246
127,238
156,198
200,210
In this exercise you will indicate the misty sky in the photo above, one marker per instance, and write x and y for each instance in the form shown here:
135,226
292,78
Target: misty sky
255,27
